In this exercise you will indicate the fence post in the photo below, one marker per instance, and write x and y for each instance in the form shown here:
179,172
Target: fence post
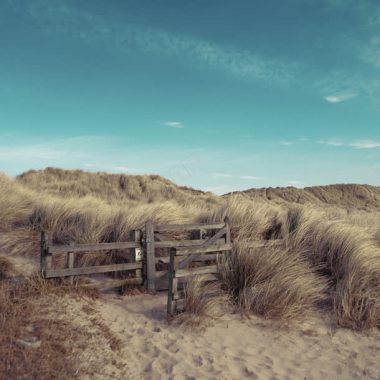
48,256
45,257
70,264
137,257
42,252
172,285
150,257
228,232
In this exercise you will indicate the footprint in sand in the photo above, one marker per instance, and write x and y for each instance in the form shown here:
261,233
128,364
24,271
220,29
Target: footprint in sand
197,360
172,347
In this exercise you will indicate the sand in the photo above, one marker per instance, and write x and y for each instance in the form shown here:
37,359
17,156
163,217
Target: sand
233,348
236,348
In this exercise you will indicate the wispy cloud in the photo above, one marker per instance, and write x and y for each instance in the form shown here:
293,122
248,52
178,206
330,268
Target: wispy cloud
82,25
287,142
223,175
360,144
365,144
340,97
174,124
332,142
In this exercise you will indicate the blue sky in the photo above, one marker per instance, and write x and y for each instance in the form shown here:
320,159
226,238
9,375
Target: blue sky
217,95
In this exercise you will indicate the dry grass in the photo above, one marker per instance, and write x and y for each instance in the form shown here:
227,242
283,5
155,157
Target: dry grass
112,188
204,302
349,257
334,245
6,268
21,318
274,283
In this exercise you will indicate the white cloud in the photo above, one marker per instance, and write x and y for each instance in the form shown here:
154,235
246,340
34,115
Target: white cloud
123,169
295,183
286,143
217,189
340,97
222,175
365,144
174,124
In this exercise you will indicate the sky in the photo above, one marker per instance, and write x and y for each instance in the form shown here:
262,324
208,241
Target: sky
213,94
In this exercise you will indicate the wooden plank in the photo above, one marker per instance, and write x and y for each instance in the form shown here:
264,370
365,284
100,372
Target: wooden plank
213,240
228,230
91,270
70,264
216,237
195,258
183,243
175,292
56,249
169,311
206,257
203,249
196,271
177,243
135,256
161,237
48,256
42,251
150,257
187,227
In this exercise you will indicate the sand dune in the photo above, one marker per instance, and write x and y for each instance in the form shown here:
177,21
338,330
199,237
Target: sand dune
235,348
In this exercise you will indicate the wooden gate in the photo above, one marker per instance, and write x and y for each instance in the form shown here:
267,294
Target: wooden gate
208,272
201,235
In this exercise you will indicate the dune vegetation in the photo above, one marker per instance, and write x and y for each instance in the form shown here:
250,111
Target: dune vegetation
329,258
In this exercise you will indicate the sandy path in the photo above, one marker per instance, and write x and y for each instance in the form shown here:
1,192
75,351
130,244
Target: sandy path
231,349
236,349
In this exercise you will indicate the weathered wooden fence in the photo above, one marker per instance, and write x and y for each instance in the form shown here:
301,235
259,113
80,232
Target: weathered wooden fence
148,259
205,234
49,251
148,268
180,257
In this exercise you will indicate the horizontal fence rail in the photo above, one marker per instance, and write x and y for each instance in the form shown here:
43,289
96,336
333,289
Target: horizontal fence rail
48,251
49,273
155,238
58,249
188,227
